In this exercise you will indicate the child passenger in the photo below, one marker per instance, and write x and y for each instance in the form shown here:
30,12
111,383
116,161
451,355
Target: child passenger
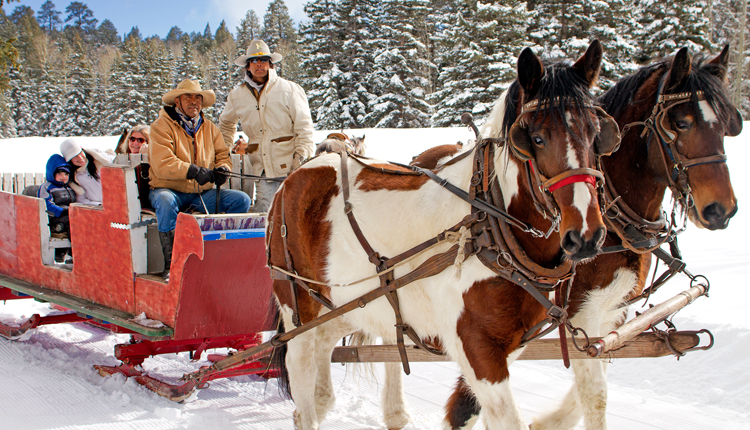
58,195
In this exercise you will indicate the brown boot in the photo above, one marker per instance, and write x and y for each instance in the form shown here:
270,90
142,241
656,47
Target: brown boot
167,242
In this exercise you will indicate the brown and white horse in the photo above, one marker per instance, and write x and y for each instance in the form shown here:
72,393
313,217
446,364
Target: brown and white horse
475,316
694,112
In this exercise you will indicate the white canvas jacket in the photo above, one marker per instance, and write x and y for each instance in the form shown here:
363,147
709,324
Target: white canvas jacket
279,121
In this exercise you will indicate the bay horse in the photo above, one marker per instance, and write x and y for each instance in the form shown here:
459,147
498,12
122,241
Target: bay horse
685,104
336,218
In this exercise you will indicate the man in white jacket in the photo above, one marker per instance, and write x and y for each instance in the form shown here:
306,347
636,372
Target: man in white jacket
275,116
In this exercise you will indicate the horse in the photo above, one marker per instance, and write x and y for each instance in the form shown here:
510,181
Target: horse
336,218
684,151
337,142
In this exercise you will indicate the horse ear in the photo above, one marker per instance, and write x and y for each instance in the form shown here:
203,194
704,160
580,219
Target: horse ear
587,67
735,124
530,72
721,60
680,69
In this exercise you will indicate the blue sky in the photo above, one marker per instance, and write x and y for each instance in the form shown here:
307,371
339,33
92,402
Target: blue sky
158,16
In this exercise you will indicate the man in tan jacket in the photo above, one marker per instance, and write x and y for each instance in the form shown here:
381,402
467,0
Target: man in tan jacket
275,116
187,155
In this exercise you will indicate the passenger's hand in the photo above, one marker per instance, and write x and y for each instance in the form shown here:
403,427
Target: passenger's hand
296,161
220,175
201,175
144,149
63,213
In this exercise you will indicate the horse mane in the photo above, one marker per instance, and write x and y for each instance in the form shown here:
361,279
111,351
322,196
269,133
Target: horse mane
704,76
560,82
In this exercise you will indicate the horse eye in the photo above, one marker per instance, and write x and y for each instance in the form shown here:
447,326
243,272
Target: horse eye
538,141
682,125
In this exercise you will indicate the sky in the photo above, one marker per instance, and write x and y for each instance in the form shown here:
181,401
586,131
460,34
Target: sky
156,17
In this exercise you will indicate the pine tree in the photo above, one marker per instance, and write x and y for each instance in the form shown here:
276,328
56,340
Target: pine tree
247,30
222,34
478,59
77,113
279,33
320,40
48,17
205,43
185,66
668,27
615,28
106,34
402,69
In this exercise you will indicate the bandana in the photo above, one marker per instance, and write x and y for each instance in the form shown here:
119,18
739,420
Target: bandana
258,87
191,125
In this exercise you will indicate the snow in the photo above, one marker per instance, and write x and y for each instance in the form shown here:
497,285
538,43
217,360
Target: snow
47,380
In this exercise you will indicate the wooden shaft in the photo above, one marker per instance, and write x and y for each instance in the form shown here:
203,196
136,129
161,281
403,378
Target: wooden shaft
643,345
637,325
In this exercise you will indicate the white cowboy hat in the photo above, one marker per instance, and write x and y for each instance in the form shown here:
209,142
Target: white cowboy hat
189,87
257,48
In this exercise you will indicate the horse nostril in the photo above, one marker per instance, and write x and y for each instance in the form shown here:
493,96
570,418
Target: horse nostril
572,242
714,213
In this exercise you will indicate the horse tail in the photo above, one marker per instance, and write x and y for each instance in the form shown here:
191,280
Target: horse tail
278,354
361,338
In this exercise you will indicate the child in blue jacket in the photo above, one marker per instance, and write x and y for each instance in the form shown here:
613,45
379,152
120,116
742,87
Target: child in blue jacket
57,193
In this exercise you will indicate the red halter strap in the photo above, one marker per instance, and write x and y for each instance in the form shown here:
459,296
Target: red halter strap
590,179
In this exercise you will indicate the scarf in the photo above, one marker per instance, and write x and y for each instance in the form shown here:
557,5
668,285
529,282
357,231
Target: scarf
191,125
258,87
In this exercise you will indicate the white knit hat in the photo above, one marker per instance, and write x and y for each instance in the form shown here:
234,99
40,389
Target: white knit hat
70,148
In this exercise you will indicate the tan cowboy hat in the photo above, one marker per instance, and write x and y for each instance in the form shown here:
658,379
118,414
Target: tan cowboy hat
189,87
257,48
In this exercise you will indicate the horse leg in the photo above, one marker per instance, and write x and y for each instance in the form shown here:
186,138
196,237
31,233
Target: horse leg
301,363
395,412
599,314
327,337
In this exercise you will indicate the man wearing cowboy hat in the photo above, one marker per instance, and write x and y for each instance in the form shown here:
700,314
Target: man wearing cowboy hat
187,153
275,117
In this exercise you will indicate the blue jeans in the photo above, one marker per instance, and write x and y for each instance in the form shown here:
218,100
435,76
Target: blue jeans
168,203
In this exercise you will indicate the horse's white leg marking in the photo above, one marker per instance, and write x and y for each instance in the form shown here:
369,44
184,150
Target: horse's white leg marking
327,336
581,193
708,114
499,409
395,412
599,315
301,364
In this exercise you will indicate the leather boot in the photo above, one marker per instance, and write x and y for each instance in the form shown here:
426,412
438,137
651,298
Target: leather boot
167,242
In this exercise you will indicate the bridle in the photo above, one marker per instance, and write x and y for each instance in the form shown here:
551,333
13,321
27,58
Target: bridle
543,186
675,164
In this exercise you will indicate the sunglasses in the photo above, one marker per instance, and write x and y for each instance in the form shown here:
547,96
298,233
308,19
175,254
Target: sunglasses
259,60
137,139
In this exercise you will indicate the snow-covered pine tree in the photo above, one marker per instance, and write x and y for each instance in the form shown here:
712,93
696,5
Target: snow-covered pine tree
614,26
77,112
127,100
158,79
247,30
319,45
478,59
669,26
360,33
185,67
401,73
222,83
22,102
281,36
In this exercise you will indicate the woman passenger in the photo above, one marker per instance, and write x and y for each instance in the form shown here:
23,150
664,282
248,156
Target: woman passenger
136,142
85,166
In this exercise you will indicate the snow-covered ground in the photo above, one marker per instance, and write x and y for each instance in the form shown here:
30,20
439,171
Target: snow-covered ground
47,380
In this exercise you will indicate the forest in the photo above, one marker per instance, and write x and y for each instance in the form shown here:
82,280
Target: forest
362,63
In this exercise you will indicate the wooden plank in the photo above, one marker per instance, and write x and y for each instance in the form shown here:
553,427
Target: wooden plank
7,182
28,180
644,345
38,178
85,307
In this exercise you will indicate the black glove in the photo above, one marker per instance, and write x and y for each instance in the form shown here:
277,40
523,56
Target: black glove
221,175
200,174
63,213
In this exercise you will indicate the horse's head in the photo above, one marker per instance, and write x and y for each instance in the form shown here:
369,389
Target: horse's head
558,132
698,114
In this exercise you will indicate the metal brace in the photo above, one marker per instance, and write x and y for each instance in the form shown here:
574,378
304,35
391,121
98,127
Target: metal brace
133,225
